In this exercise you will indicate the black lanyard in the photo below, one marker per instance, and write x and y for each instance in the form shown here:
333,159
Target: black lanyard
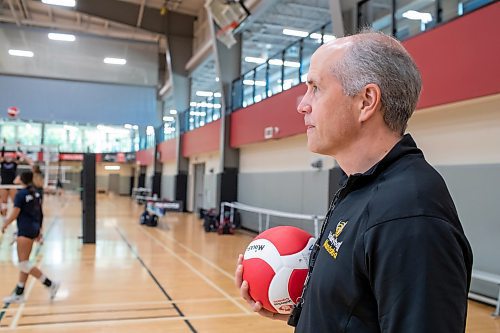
297,309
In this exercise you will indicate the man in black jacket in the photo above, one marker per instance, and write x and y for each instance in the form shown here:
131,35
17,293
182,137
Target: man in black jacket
392,255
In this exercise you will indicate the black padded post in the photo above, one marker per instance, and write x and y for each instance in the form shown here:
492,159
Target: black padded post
88,199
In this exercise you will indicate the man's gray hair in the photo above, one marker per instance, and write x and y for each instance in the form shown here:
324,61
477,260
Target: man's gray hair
376,58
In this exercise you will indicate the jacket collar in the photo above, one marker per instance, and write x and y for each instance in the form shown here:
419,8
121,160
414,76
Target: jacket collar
405,146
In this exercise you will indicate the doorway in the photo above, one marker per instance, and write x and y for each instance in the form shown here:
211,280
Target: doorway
199,186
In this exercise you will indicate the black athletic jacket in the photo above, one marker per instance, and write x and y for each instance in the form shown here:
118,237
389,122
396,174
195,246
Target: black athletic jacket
393,257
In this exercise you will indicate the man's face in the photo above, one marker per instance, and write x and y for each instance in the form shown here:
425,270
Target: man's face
328,114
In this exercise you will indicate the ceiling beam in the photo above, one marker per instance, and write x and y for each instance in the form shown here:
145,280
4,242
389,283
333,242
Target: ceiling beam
20,5
49,9
309,8
99,31
14,13
141,13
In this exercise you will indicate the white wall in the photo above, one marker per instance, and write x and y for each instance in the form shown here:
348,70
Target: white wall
283,155
169,169
212,168
459,133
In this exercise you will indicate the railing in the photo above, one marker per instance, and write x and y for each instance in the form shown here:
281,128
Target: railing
268,213
407,19
289,67
279,72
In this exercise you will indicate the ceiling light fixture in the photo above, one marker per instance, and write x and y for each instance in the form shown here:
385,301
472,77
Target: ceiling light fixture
21,53
65,3
255,60
295,33
202,93
115,61
256,83
415,15
62,37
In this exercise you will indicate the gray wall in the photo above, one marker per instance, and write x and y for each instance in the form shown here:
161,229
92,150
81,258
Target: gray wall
124,186
210,196
476,192
168,187
304,192
102,183
51,100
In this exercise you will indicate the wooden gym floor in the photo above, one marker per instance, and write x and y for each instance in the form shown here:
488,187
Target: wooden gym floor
174,278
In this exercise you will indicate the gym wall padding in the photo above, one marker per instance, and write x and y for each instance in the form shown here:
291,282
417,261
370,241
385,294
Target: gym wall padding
476,192
55,100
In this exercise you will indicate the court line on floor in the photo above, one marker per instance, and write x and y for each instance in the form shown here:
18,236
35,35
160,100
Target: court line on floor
139,320
136,254
46,323
205,260
48,314
38,259
196,271
17,316
166,302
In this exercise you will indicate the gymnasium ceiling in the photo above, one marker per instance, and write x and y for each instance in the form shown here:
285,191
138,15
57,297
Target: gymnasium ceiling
151,20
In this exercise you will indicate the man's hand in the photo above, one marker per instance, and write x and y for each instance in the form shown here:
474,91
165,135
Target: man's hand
4,228
256,306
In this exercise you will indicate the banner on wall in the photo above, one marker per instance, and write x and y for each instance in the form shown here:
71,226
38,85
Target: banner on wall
70,157
118,157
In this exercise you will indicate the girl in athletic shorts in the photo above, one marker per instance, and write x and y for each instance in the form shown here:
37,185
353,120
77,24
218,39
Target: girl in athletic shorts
28,212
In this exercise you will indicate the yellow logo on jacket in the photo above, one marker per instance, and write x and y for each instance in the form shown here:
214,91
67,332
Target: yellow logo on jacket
332,244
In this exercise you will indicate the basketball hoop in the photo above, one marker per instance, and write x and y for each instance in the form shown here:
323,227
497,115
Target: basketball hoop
225,34
227,16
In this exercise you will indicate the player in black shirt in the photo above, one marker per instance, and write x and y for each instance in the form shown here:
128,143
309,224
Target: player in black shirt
8,170
28,212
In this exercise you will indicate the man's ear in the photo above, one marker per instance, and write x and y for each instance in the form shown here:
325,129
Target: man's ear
370,102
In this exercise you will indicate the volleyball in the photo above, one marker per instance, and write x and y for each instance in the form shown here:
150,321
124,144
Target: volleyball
12,111
275,266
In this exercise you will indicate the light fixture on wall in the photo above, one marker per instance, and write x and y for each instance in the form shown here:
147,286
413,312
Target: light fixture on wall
112,167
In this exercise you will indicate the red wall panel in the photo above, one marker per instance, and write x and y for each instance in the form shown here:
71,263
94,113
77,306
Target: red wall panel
168,150
201,140
460,59
145,157
247,125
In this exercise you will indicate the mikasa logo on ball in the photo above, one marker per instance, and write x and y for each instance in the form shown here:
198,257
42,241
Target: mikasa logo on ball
332,244
256,247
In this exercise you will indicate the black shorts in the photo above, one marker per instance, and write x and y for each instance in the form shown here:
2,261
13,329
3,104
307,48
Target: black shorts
31,234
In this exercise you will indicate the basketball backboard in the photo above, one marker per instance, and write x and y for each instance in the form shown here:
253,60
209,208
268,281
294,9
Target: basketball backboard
227,15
